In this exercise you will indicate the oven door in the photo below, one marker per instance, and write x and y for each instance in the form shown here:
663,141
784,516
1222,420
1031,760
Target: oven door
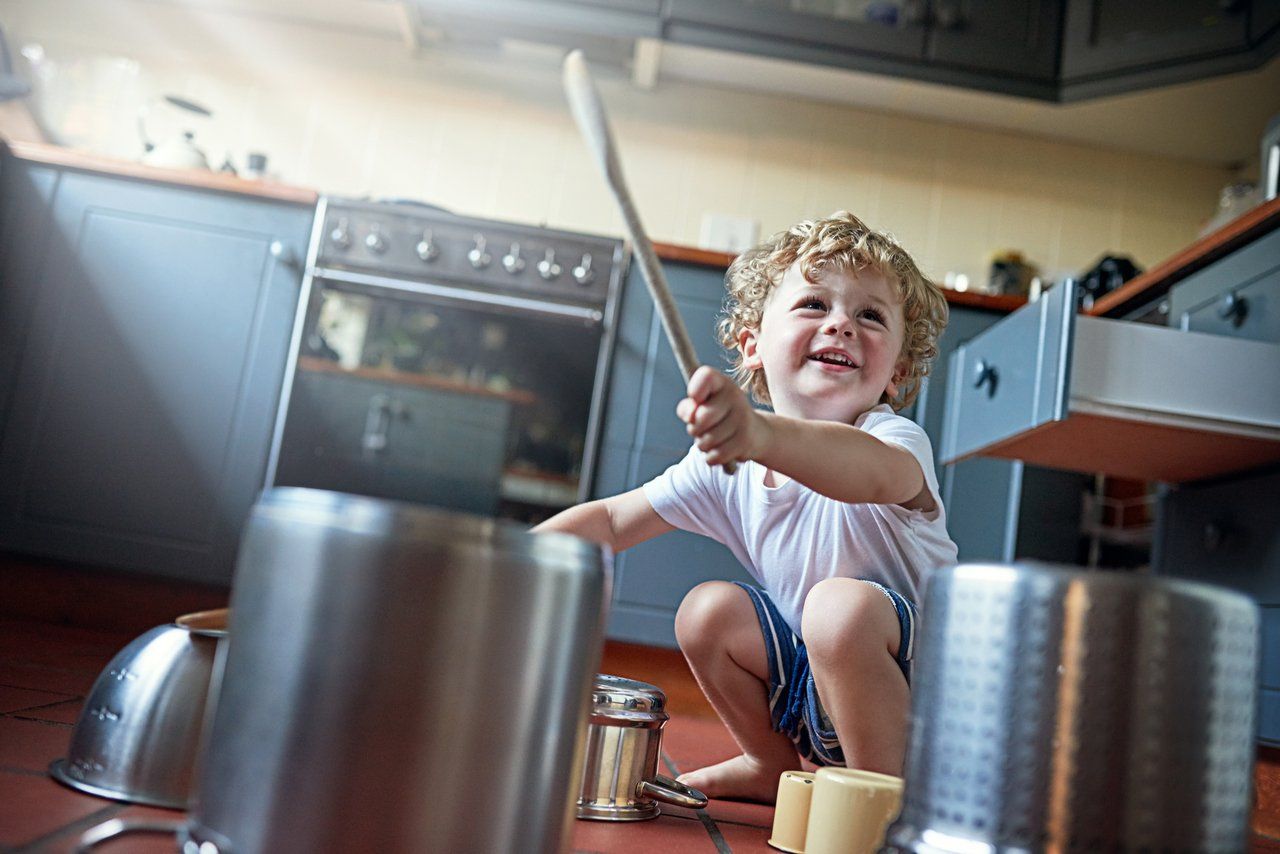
460,398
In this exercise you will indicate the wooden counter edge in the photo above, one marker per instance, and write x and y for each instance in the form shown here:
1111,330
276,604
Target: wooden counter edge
1155,283
56,155
722,260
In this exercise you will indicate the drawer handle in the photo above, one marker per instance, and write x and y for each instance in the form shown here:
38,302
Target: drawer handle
1234,308
985,374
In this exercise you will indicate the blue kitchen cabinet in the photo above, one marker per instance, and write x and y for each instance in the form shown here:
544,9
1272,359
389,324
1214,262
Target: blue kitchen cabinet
997,509
642,437
143,339
1224,532
1238,295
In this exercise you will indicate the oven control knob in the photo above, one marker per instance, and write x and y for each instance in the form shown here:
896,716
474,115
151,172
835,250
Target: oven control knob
477,256
512,262
375,241
427,249
341,234
547,267
583,274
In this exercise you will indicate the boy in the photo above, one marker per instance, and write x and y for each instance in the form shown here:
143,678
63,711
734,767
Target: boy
834,508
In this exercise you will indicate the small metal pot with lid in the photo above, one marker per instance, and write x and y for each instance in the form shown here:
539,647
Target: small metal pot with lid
620,779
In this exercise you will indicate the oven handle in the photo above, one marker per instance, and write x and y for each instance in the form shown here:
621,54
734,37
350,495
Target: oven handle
574,312
376,423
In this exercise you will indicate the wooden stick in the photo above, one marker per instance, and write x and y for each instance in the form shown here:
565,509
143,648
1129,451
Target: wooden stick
588,112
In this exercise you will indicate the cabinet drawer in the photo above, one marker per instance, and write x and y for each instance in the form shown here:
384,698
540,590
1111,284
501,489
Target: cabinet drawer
1269,717
1126,399
1234,296
1270,670
1246,311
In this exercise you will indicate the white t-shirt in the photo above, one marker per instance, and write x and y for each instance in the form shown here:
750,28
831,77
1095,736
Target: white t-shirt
790,537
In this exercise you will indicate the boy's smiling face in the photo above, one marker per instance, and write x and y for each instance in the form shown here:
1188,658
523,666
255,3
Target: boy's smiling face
829,349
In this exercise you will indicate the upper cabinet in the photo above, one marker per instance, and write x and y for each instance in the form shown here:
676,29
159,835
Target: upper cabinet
791,28
1053,50
1018,38
1105,37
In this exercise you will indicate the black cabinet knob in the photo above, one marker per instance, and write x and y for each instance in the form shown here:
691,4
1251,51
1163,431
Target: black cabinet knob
985,374
1234,308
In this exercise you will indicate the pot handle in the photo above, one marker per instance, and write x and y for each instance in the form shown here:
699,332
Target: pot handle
100,833
669,791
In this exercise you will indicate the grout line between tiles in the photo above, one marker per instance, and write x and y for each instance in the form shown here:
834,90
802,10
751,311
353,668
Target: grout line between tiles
10,769
78,826
708,823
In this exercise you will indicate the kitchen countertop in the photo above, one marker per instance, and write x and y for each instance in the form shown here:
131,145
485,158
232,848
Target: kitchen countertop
1155,283
1138,291
55,155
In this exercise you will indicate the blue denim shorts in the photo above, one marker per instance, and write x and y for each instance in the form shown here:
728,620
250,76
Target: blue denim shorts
793,697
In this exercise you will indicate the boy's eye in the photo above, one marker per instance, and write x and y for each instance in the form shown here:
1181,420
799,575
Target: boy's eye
874,315
812,303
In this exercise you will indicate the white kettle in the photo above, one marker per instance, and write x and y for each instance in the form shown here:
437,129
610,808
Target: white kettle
178,152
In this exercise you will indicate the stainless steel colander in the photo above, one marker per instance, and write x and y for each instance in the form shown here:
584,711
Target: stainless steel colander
1065,710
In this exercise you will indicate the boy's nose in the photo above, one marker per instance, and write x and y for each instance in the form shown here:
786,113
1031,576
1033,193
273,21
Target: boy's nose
839,326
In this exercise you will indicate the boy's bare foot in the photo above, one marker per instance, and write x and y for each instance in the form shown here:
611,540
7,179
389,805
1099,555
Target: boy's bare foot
740,778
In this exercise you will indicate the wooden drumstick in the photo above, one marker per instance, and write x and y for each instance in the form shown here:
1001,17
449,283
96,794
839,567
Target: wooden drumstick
588,112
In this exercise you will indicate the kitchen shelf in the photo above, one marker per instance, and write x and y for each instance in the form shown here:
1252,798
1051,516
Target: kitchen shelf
1133,400
407,378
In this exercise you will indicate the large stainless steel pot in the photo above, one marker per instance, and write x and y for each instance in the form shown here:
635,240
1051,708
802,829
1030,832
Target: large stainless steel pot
1063,710
398,679
620,779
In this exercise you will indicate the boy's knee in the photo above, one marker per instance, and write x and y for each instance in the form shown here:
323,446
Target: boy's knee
840,615
704,611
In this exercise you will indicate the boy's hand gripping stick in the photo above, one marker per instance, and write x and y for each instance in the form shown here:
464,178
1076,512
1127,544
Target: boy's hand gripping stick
588,111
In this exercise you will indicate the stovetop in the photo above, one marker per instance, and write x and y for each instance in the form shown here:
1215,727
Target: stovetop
416,241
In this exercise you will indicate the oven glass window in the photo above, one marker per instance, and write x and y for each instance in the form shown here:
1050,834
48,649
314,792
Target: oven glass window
460,404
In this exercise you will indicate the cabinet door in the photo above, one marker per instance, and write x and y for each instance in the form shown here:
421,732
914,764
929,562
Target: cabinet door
1013,37
140,417
786,27
642,437
1104,36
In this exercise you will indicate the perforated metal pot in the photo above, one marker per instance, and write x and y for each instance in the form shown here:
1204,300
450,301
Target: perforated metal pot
1064,710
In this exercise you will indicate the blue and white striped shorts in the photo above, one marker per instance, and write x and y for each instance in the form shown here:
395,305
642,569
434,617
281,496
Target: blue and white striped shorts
793,697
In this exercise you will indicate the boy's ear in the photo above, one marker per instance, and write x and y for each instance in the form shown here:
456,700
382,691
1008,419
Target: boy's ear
748,347
900,371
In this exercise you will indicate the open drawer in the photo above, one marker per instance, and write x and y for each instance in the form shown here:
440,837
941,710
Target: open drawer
1057,389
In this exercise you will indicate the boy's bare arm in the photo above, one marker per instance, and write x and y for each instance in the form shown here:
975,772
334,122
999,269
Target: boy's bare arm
620,521
837,460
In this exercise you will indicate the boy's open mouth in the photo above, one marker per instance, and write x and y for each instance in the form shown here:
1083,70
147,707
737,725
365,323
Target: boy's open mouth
833,357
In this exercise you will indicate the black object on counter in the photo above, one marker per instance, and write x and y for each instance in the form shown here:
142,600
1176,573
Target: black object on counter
1109,273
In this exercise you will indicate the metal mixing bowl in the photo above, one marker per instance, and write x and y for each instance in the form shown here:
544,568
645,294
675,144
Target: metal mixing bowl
139,730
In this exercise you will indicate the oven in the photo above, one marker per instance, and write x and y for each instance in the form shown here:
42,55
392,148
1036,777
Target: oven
448,360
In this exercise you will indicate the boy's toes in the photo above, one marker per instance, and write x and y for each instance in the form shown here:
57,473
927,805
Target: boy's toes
739,778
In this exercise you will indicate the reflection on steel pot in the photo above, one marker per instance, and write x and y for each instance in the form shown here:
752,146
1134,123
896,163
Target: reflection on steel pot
620,779
400,679
1064,710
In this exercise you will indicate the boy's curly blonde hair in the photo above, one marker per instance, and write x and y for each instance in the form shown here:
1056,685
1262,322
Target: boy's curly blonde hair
839,242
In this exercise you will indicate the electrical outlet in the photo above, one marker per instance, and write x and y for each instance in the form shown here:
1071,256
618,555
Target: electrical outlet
725,233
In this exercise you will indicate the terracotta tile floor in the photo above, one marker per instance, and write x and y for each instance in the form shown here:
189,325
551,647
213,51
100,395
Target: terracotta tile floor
46,669
48,662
